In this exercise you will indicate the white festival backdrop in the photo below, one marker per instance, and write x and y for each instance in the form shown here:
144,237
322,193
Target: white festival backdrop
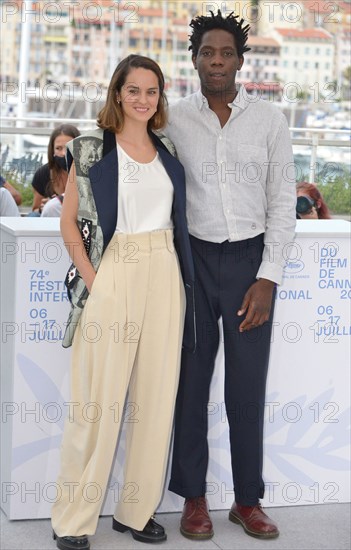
307,417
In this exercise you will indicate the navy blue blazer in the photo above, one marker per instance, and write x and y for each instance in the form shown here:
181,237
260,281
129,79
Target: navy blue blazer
105,192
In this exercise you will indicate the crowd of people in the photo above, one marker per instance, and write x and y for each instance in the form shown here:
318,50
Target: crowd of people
201,248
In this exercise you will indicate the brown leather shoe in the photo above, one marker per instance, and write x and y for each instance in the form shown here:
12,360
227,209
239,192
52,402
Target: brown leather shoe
196,522
254,521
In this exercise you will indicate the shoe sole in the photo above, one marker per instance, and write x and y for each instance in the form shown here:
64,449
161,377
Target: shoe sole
116,526
235,519
67,546
196,536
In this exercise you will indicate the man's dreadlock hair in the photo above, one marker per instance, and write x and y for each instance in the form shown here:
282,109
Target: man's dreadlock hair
202,24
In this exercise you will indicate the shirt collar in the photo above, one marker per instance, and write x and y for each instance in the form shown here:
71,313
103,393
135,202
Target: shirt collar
241,100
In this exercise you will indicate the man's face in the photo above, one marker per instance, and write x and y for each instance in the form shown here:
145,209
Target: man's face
217,62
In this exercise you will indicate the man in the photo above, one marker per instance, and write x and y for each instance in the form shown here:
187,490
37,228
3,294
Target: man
238,159
14,193
8,206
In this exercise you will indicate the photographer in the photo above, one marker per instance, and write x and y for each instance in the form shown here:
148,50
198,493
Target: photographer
310,204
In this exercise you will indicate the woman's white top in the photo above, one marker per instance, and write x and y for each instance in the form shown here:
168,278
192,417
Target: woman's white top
52,209
145,195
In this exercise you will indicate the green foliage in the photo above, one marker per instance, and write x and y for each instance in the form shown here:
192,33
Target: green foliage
25,189
337,194
347,74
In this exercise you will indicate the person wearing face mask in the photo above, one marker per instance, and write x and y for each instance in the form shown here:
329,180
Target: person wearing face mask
310,204
50,179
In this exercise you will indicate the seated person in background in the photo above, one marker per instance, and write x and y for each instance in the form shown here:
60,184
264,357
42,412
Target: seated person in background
51,178
52,209
8,206
310,203
15,194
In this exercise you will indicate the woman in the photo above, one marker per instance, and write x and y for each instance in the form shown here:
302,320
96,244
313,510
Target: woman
51,178
310,203
123,214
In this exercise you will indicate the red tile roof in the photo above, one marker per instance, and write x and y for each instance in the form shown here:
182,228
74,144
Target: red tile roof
262,41
320,34
319,6
324,7
345,7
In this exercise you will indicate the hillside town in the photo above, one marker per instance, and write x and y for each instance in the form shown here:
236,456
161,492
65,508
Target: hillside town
299,49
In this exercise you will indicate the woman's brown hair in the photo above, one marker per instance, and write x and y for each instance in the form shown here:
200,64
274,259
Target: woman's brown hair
111,115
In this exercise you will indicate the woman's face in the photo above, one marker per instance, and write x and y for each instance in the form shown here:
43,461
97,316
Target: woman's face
311,214
139,95
60,145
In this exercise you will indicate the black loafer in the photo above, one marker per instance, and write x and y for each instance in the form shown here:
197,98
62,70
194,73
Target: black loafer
152,532
71,543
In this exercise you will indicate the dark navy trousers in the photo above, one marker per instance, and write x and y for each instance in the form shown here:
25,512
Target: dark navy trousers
223,274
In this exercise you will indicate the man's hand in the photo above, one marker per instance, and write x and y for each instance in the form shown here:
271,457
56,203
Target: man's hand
257,303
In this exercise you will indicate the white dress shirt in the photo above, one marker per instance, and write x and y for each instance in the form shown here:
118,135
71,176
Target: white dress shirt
240,179
8,206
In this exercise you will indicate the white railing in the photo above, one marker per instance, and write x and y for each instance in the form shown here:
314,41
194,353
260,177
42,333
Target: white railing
313,138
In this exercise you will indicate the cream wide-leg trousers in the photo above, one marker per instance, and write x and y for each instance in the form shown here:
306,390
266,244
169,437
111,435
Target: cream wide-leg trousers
128,339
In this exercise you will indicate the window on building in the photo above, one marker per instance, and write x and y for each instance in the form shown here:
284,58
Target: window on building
318,51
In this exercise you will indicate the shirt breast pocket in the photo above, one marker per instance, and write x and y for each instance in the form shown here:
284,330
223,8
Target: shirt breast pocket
254,164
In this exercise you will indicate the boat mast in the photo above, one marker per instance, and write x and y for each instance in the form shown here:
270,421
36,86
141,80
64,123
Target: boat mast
23,70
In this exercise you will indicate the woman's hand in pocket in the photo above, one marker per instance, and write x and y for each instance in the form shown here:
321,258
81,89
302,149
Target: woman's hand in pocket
89,280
